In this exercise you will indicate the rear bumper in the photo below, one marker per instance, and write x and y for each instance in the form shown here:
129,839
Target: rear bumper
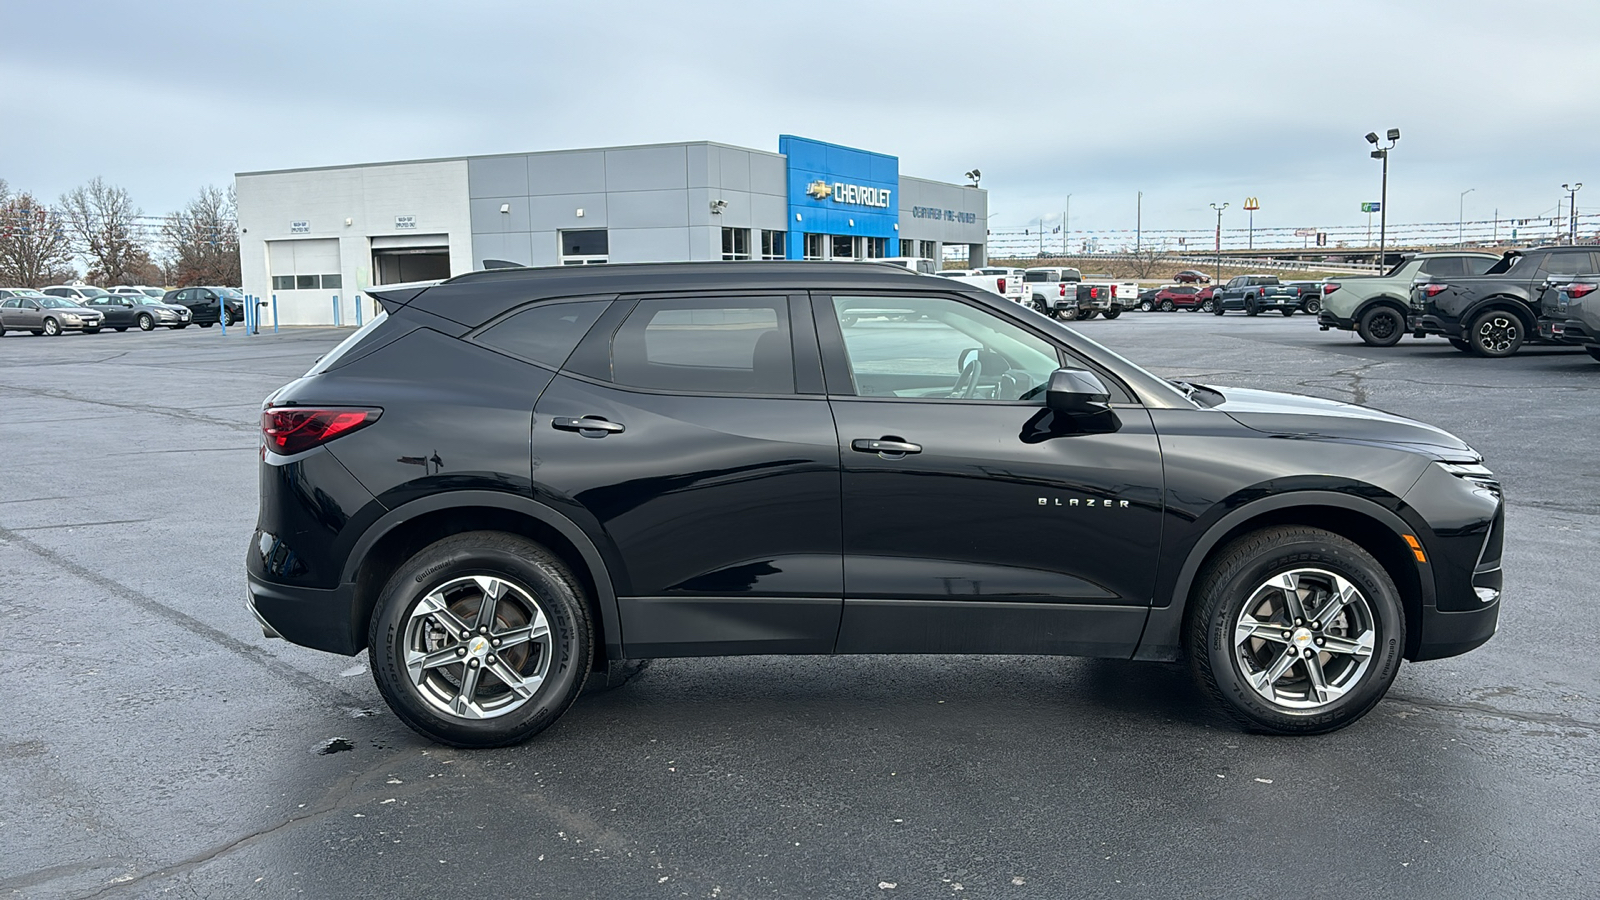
1425,324
1327,319
311,617
1568,331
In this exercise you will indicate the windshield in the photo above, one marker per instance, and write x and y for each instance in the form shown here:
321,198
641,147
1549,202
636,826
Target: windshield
55,303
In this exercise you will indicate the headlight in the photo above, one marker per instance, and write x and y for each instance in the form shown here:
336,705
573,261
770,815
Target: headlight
71,318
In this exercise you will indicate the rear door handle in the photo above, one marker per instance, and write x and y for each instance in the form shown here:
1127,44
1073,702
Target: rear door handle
889,448
588,426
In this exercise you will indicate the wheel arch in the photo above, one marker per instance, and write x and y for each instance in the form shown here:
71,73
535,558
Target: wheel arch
1372,527
1379,300
399,534
1505,303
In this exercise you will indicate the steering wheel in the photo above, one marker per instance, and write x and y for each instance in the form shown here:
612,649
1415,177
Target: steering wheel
967,381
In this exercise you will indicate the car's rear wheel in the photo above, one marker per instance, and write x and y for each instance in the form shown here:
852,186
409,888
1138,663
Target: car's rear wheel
1495,334
52,327
1113,312
1313,306
147,322
1295,630
1381,326
1038,305
1168,306
482,639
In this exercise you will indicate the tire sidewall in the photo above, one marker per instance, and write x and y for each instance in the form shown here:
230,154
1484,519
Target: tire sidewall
1474,339
1235,589
146,323
490,554
1371,315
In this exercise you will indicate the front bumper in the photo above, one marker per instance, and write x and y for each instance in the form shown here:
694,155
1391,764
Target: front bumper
1446,634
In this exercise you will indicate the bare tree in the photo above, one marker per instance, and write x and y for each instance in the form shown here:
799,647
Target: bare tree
104,225
1145,261
204,239
34,247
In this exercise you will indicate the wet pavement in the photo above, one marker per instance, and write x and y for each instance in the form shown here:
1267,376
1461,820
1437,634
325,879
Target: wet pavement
155,744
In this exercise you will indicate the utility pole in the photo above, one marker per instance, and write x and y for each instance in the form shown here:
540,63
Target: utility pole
1382,153
1066,227
1138,221
1461,205
1219,210
1572,210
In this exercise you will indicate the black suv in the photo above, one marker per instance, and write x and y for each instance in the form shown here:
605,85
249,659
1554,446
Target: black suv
1495,313
516,478
206,304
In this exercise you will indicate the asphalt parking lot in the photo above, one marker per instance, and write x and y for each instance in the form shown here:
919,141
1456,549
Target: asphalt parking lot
154,743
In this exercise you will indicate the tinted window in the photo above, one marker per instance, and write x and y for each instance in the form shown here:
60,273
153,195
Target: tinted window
934,348
9,304
1476,265
1566,263
1443,267
585,243
731,346
545,333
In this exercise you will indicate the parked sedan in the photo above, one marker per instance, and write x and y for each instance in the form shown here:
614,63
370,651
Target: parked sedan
1192,276
47,315
123,311
204,303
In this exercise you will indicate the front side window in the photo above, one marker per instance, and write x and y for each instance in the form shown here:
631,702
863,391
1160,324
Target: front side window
733,346
936,348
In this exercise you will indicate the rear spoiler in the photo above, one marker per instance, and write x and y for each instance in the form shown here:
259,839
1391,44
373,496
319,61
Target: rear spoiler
394,296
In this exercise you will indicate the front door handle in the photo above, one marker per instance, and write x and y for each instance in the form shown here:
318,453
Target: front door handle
886,447
588,426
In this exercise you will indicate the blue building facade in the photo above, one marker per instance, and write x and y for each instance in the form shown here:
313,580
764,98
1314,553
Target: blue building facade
840,192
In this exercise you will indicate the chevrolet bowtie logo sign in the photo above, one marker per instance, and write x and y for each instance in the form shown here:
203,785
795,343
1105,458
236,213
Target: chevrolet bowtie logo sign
819,189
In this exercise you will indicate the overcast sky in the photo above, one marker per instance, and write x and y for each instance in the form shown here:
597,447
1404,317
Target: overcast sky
1191,102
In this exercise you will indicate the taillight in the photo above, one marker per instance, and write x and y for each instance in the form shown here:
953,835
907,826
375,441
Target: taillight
1063,288
292,429
1330,288
1002,284
1113,292
1094,293
1434,290
1579,289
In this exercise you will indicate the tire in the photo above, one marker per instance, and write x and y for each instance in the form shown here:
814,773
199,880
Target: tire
51,327
1381,326
147,322
1039,307
1113,312
1244,581
1594,353
2,330
1207,306
1287,311
1168,306
207,324
1217,310
1496,334
1459,344
121,328
1250,307
1313,306
230,319
441,588
1146,306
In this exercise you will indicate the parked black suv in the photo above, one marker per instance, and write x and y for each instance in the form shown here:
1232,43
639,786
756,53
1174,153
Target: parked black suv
1495,313
515,478
207,303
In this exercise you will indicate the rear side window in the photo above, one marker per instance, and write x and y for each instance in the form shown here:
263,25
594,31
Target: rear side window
1443,267
1567,264
1477,265
546,332
732,346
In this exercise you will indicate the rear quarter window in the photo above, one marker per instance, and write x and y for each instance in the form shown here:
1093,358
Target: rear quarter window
544,333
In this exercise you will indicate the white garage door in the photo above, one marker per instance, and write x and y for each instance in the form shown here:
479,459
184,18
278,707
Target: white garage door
307,265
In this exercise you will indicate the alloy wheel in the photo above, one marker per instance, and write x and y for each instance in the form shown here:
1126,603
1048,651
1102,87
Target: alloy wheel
1498,334
1304,638
477,647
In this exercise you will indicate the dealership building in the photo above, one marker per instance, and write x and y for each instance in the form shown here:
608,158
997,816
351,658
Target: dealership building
312,241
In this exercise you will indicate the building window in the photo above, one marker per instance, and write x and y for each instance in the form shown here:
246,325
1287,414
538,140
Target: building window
584,248
772,244
908,247
305,282
843,247
735,243
874,247
283,282
930,250
331,281
814,246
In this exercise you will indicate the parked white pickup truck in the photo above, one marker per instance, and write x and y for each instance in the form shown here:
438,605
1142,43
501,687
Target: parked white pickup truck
1005,282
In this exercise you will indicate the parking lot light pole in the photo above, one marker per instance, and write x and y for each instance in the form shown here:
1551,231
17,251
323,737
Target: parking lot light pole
1383,200
1572,210
1219,210
1460,222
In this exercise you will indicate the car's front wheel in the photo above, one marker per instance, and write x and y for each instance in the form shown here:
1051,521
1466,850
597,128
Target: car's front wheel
147,322
1295,630
1168,306
482,639
1495,334
52,327
1145,306
1208,306
1113,312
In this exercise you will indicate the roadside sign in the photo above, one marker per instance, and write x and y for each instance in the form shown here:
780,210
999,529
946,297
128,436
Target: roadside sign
1322,239
1304,232
1252,203
1371,207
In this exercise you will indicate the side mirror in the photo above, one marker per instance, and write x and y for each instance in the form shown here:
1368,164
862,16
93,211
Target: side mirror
1077,392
